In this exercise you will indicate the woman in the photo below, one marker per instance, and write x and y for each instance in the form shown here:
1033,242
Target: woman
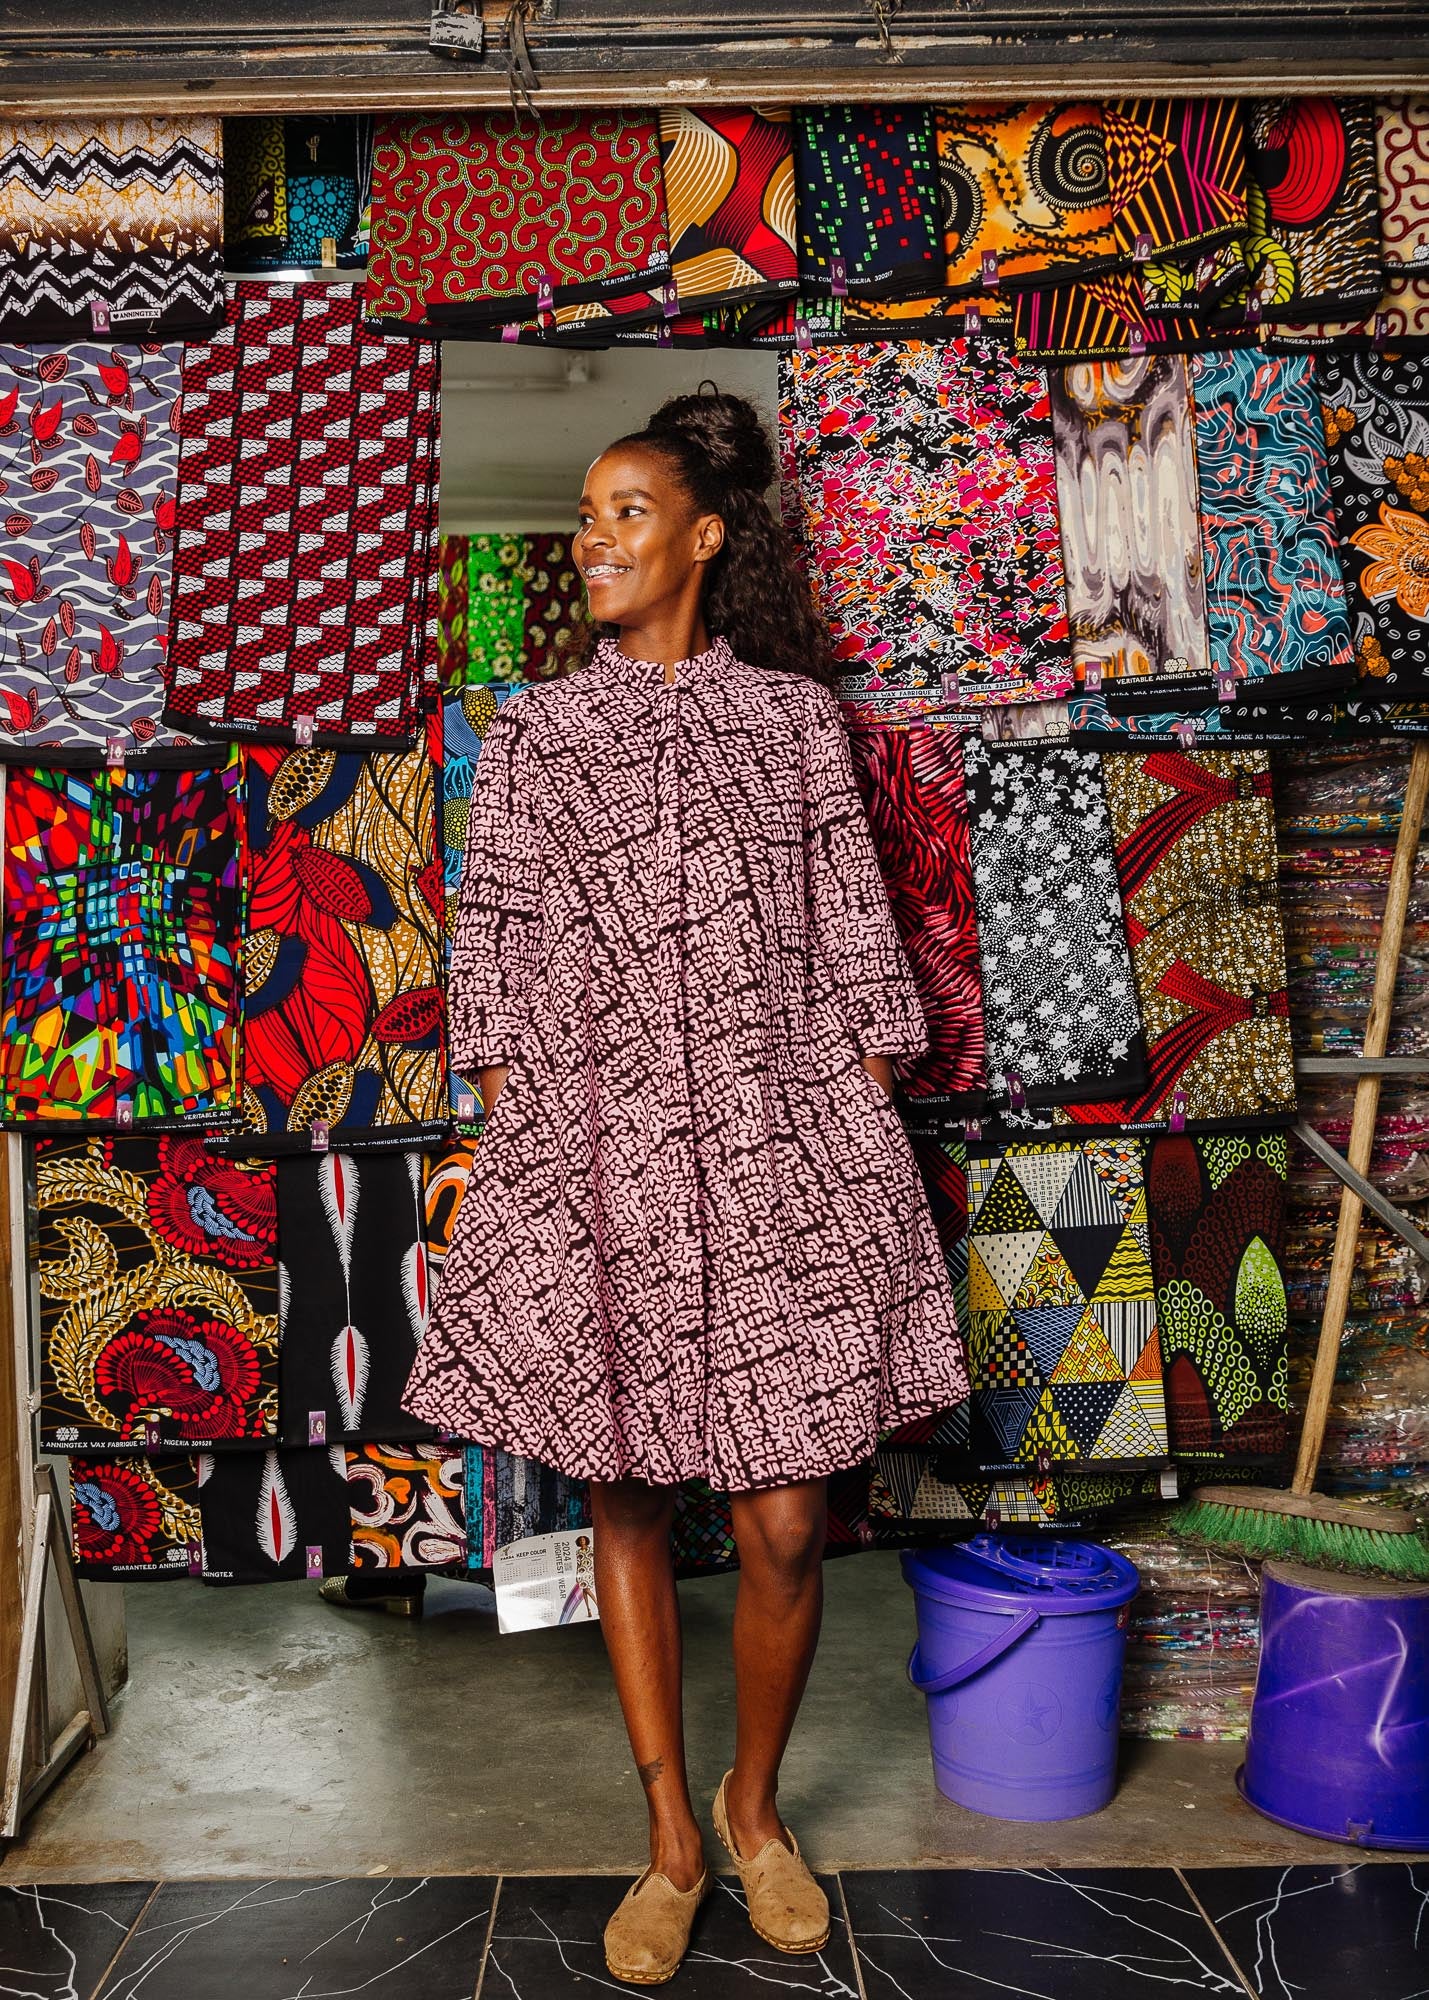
694,1243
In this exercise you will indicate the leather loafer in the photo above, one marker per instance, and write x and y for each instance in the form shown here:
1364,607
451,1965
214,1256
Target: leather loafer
786,1905
649,1933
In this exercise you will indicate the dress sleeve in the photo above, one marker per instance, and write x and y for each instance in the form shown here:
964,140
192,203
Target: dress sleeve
850,919
498,929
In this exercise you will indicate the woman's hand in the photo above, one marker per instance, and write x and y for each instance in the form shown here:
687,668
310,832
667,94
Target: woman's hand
491,1082
880,1068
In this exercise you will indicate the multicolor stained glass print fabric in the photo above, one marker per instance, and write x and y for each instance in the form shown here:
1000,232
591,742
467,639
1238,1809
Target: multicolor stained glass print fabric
311,612
868,202
1217,1209
1275,599
123,898
343,955
158,1284
1376,415
482,217
1031,197
729,198
91,481
134,1517
920,479
1131,540
1063,1343
913,791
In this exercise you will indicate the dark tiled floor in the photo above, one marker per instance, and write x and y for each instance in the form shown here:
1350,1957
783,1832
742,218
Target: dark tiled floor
1319,1932
1349,1927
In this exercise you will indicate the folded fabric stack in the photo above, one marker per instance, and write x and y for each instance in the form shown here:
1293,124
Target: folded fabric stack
1192,1639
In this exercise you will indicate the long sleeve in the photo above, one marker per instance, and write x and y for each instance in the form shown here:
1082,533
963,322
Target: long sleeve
498,930
854,934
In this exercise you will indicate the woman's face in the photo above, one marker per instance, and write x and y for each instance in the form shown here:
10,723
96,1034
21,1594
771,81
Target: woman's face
640,546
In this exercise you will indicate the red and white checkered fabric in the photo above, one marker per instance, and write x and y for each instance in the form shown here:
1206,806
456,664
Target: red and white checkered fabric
304,571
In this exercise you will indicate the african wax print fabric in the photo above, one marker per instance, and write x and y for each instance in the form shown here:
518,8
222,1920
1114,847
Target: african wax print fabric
989,315
1177,169
485,216
343,954
1098,319
357,1294
465,721
303,575
729,200
407,1506
1062,1334
555,605
270,1516
447,1174
123,904
868,200
495,607
294,190
453,559
1376,415
920,479
530,1498
1058,992
1029,192
134,1517
1195,845
1401,132
158,1284
1131,536
1275,598
1312,237
1217,1208
912,786
84,610
110,226
478,1491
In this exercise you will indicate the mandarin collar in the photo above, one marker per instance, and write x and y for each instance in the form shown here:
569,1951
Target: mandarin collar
612,664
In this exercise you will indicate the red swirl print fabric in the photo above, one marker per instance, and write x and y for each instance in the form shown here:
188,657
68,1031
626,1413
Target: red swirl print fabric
920,479
1401,131
674,930
484,217
89,456
913,790
304,577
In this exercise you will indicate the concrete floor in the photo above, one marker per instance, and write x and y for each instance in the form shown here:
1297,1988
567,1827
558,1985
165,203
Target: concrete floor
263,1732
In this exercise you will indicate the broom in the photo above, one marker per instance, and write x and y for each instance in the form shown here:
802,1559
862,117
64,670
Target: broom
1301,1524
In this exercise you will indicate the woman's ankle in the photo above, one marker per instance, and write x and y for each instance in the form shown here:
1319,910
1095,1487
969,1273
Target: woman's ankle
678,1853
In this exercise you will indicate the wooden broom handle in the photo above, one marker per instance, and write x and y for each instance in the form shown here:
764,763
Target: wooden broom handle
1362,1124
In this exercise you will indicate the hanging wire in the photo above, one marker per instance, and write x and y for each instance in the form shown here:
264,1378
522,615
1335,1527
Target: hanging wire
520,69
883,12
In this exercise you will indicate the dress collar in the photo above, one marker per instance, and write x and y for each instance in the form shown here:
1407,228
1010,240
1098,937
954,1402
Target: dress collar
611,664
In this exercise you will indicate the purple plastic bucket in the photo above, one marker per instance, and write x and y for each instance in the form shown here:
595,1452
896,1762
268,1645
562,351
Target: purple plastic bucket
1020,1648
1339,1727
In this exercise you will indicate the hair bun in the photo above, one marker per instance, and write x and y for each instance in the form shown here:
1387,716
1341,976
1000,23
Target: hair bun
727,431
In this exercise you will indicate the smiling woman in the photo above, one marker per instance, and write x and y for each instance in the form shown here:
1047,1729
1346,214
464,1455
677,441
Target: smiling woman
677,980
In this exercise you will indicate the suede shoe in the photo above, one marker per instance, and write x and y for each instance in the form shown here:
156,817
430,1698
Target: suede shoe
786,1905
649,1933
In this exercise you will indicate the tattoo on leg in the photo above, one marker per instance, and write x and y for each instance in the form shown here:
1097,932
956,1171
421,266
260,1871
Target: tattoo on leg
651,1771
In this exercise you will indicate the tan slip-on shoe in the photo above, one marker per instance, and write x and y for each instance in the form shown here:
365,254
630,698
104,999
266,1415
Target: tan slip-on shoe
649,1933
786,1905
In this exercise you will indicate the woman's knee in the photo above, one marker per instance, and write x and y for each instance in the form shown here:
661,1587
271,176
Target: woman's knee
781,1534
628,1507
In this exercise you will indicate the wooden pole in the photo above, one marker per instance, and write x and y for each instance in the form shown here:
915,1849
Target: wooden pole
12,1495
1362,1124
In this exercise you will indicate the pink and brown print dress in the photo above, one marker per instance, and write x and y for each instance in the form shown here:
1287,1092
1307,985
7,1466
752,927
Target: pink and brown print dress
694,1242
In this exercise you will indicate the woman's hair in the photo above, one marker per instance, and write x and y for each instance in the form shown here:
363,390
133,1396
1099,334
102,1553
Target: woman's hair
756,592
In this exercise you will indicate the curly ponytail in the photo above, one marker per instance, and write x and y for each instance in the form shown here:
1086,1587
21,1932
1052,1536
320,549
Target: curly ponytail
757,592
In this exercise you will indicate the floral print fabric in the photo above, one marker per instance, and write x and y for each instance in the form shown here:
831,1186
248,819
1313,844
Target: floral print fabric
1029,193
488,215
1062,1330
135,1517
123,901
92,477
868,199
729,199
343,952
1217,1208
1058,993
1127,500
1275,599
1376,415
158,1286
921,482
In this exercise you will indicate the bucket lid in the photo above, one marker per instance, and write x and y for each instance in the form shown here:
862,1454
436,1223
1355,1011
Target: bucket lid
1006,1572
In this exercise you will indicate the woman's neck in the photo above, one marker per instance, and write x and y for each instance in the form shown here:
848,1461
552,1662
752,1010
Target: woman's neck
681,635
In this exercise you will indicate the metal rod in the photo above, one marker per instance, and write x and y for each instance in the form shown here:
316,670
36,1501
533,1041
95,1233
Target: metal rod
1409,1066
1377,1203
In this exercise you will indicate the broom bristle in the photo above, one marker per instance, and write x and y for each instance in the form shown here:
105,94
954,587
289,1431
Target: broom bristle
1362,1550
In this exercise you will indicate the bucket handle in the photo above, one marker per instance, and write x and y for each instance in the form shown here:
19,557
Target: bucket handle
1005,1640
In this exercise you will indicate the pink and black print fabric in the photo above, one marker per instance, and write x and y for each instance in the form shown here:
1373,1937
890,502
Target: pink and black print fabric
920,480
89,457
304,578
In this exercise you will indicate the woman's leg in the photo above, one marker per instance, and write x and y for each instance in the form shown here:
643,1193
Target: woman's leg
780,1601
640,1617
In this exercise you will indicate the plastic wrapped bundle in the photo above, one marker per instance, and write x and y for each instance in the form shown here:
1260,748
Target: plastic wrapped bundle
1193,1638
1333,789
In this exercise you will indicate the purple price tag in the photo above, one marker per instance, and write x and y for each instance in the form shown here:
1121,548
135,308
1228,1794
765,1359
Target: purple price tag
124,1112
152,1436
972,1130
951,686
195,1558
511,331
466,1106
1143,247
838,277
98,316
115,751
992,1520
317,1426
1137,343
1092,681
315,1562
1381,329
319,1135
972,319
304,729
803,339
1016,1090
545,296
671,298
1226,689
1178,1111
989,270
